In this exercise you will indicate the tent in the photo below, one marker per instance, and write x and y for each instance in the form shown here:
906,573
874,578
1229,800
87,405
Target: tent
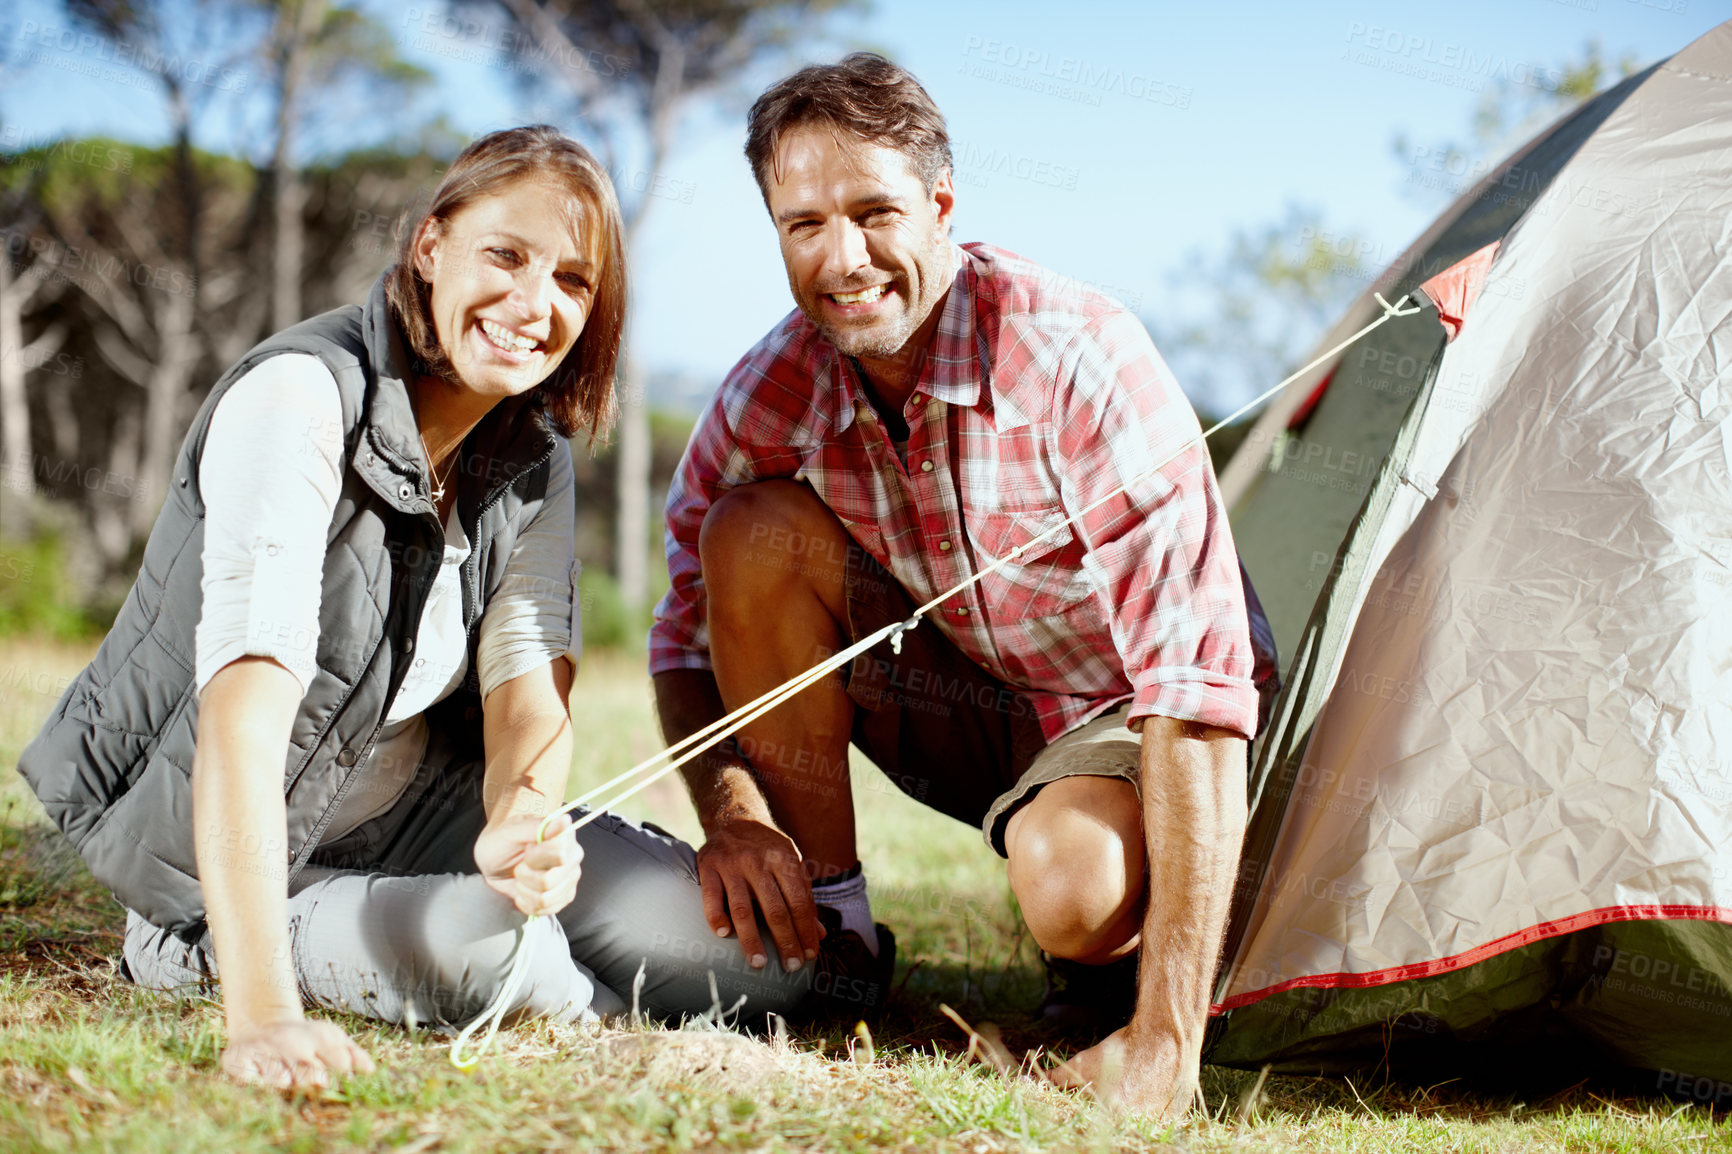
1491,825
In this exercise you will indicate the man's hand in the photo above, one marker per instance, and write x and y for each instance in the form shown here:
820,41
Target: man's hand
745,856
1138,1074
539,877
292,1054
743,860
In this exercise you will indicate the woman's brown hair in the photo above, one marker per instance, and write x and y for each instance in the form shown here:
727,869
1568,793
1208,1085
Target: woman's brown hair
579,392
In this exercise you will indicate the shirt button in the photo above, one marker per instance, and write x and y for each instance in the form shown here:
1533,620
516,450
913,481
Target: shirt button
346,758
926,466
944,546
408,645
963,612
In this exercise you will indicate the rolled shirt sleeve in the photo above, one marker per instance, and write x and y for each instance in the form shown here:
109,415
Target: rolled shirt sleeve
1160,555
534,616
269,478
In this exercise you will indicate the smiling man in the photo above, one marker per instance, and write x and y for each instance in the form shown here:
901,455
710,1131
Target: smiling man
927,409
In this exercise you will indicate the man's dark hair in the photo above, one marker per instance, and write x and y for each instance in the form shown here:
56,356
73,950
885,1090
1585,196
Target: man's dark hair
865,96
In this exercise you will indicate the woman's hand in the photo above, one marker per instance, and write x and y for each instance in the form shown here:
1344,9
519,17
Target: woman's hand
539,877
293,1053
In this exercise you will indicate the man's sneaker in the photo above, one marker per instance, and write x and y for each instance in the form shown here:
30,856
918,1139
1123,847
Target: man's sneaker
848,983
1088,999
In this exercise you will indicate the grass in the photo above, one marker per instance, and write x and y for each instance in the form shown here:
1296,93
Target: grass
88,1062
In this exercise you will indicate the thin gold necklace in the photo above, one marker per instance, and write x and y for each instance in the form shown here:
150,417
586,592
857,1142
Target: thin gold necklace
438,484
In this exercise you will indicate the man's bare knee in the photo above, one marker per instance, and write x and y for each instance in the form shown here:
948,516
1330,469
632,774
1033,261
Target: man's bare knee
766,539
1077,867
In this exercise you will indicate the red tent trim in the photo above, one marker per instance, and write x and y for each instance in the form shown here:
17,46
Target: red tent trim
1453,291
1304,410
1456,288
1551,929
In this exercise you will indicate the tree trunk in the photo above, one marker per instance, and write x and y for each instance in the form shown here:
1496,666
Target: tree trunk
112,517
63,421
291,243
14,410
177,355
632,532
301,22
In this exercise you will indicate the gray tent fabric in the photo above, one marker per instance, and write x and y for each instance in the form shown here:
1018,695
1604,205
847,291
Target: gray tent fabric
1503,803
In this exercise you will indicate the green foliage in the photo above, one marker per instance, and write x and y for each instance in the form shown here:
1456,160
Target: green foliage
1508,108
607,623
35,596
1247,316
351,42
1508,114
102,171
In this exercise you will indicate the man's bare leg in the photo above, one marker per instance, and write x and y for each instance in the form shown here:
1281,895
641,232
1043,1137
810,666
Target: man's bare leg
774,562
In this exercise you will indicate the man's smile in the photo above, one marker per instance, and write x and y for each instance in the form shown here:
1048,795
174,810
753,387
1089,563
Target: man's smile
865,296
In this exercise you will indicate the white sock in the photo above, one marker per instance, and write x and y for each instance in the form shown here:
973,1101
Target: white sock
846,894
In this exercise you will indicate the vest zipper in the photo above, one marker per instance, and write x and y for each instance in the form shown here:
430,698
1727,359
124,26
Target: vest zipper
317,833
472,563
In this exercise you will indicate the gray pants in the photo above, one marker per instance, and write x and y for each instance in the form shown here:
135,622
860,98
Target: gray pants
393,922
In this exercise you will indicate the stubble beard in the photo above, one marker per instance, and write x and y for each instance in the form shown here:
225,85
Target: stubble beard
877,341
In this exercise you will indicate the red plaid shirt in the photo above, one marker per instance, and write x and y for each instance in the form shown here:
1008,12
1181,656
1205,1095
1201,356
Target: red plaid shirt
1037,397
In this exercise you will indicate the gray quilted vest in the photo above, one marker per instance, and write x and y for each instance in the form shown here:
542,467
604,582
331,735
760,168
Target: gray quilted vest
113,762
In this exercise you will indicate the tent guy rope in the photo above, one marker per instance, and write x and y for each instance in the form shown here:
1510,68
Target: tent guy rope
654,768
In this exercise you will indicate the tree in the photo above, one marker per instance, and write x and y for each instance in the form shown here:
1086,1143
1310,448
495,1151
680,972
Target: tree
147,314
26,282
158,339
174,232
1249,314
315,48
1508,114
298,23
630,70
1259,305
89,215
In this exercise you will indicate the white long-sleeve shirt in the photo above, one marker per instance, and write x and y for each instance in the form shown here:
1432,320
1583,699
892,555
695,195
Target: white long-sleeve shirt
270,477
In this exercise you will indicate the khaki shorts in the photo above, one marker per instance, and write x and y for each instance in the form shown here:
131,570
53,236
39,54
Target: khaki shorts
949,734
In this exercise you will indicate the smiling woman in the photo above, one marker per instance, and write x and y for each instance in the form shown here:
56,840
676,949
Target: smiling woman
367,560
523,222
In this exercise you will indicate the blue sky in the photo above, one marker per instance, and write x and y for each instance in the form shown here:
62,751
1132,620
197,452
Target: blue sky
1106,140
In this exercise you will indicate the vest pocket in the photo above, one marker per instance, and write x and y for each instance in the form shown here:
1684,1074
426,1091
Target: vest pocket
144,699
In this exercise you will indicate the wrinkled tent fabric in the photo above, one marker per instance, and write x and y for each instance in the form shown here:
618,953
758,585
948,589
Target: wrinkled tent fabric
1493,810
